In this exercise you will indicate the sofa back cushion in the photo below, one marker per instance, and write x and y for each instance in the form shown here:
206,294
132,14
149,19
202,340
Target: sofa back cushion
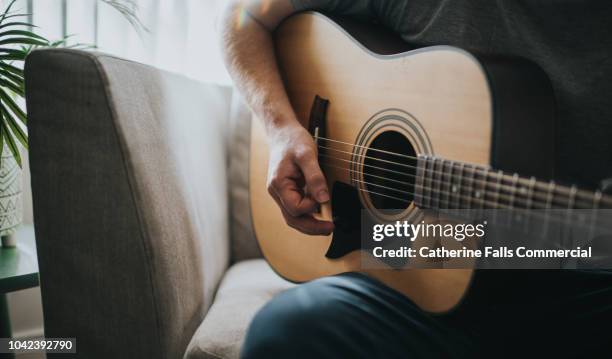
130,201
244,244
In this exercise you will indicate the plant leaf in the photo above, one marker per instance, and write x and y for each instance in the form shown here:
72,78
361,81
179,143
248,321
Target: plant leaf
13,87
17,79
58,43
23,40
81,46
15,127
8,67
1,140
12,51
129,10
7,10
10,142
11,16
14,57
17,23
22,33
13,106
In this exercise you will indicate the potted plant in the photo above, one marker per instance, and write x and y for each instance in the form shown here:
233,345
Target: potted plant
17,39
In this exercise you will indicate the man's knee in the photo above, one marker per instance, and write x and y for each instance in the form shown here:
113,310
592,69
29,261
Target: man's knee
291,323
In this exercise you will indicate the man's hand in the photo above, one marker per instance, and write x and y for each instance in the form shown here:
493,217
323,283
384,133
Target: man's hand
295,180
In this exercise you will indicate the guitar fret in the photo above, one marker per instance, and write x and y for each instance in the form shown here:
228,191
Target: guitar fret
551,191
475,182
572,197
419,188
515,183
567,241
452,187
530,189
567,191
471,187
437,182
597,200
513,190
443,184
484,188
596,203
448,182
498,188
459,183
548,206
429,172
529,202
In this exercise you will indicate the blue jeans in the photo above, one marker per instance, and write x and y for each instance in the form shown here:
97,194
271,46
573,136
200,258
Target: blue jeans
507,313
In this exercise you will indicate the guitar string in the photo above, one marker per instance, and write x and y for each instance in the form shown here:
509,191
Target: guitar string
547,216
448,194
433,171
368,174
483,171
475,167
573,191
365,156
368,148
513,197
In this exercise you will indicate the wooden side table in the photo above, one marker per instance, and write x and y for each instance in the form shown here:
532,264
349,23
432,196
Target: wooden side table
18,270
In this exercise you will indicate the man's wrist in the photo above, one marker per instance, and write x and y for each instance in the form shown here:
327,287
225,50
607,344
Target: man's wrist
279,127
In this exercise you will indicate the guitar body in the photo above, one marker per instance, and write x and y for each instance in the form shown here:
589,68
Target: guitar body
441,100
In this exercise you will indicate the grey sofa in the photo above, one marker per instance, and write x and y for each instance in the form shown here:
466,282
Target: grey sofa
139,190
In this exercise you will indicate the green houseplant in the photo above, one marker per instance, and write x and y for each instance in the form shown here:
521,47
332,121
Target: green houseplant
17,39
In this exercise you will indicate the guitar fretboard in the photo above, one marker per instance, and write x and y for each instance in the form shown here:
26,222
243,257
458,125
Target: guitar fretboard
444,184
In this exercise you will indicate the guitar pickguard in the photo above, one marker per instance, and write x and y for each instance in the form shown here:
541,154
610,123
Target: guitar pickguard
346,208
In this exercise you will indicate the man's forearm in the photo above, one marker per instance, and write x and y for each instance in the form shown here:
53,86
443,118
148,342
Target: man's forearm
295,179
249,54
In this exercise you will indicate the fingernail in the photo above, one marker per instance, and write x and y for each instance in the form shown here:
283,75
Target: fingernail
323,196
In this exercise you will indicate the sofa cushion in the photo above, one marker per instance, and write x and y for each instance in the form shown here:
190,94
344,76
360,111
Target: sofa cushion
243,243
246,287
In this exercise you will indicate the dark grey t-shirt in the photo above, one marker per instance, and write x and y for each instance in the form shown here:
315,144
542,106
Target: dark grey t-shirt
570,39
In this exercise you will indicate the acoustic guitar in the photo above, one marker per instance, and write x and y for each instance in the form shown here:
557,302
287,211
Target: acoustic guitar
435,127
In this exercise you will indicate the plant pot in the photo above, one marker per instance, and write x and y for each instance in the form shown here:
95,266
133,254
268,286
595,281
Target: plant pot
10,197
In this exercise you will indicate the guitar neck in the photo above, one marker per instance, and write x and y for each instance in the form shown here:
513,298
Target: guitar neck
444,184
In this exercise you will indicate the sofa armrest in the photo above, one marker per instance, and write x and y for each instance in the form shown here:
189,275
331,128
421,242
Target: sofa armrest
130,201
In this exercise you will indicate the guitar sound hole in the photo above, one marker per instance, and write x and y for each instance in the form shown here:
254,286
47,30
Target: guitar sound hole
389,170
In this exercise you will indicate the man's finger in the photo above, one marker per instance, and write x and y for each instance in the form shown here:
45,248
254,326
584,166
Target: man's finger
307,224
292,199
315,180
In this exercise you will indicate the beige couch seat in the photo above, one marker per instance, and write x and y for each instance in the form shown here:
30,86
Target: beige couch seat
246,287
